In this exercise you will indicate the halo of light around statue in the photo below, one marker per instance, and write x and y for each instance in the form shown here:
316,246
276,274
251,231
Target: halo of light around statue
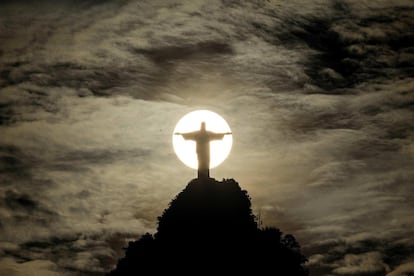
186,150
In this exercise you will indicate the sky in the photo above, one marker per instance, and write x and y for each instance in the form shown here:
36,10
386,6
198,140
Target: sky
318,94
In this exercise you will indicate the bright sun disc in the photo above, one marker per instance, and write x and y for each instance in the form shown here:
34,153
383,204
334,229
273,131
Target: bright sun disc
186,149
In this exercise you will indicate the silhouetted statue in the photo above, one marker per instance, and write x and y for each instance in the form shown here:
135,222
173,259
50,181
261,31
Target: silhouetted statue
203,138
210,229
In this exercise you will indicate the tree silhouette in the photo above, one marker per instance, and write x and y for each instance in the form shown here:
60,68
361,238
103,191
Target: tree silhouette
209,229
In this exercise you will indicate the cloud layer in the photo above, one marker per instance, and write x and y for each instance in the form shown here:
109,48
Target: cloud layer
318,96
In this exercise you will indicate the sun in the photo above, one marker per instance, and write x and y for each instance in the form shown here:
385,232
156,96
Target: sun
186,149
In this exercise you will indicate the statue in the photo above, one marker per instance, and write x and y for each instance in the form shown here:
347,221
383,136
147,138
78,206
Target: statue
202,138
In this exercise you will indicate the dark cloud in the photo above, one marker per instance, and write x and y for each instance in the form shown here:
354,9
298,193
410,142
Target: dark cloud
103,156
10,162
351,50
16,201
77,254
169,54
366,256
318,95
18,208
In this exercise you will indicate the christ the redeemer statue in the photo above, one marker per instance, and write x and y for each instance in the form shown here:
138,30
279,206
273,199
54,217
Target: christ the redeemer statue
202,138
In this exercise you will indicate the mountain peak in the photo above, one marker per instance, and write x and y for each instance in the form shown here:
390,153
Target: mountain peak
209,227
208,206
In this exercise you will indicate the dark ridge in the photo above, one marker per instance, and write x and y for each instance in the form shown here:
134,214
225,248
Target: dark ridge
209,229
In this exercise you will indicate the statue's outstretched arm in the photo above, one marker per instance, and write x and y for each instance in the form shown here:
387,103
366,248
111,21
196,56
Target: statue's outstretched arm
217,136
188,135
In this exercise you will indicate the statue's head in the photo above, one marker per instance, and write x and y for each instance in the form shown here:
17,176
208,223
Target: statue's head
203,126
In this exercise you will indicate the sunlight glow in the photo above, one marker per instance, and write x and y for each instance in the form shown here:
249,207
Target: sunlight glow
186,150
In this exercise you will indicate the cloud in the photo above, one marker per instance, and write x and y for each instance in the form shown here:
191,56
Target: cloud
318,97
354,44
369,263
70,174
38,267
363,253
403,269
